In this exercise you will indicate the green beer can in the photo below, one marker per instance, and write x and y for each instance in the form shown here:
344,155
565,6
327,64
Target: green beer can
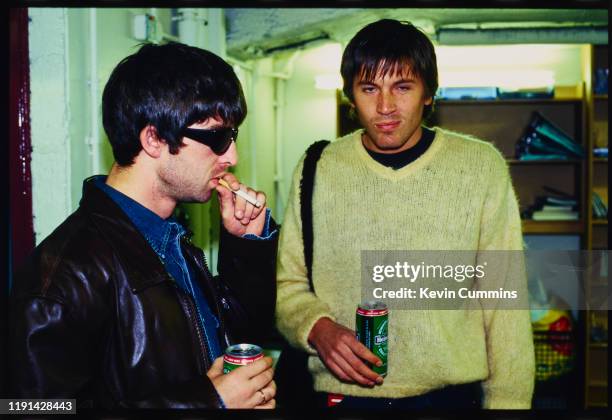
240,355
372,327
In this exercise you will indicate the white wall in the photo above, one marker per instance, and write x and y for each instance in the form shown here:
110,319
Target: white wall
50,116
259,159
285,111
68,144
309,114
562,60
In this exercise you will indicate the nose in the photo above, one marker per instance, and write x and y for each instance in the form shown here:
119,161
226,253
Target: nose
230,157
385,103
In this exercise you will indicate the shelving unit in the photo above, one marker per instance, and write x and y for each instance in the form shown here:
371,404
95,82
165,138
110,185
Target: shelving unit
503,122
596,346
481,118
531,227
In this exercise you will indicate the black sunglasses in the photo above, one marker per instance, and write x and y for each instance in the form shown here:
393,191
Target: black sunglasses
219,140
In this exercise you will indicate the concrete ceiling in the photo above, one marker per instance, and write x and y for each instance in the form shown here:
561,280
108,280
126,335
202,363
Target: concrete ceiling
255,33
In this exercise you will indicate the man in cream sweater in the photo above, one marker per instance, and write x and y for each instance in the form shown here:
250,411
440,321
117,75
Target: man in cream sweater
396,185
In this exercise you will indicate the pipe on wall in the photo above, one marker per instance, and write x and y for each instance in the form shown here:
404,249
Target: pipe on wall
571,35
94,136
280,79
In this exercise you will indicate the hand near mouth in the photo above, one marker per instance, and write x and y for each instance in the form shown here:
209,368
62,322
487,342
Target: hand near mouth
238,215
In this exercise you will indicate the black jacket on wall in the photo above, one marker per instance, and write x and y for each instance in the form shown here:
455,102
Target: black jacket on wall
95,316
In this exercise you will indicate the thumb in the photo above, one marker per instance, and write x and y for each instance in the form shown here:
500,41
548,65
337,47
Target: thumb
226,200
216,369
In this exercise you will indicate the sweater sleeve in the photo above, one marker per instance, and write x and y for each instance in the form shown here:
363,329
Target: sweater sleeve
297,308
509,337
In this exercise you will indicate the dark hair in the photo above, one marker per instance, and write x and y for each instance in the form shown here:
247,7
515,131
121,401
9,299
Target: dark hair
387,46
170,87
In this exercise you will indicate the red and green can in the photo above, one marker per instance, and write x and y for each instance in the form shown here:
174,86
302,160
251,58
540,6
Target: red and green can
240,355
372,329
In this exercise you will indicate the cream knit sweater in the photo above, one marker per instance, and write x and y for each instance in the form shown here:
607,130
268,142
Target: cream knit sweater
457,196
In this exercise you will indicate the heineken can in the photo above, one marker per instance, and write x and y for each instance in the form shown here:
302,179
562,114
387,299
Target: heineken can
371,327
240,355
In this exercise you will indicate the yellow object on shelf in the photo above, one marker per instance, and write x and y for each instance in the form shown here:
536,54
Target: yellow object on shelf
568,92
553,344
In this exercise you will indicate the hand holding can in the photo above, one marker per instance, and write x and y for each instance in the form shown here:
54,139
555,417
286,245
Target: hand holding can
240,355
371,328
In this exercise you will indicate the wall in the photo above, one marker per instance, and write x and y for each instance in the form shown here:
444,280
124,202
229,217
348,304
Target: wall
309,114
286,112
68,143
50,115
562,59
259,159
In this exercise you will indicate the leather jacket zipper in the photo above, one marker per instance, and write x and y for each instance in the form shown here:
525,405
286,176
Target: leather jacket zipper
201,260
192,312
189,306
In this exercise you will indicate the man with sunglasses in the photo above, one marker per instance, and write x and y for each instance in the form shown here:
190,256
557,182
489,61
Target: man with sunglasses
117,308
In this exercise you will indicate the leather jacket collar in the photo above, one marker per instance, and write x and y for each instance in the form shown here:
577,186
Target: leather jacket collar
145,267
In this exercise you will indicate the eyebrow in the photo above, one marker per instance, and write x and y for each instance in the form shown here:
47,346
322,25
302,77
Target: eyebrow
400,81
215,126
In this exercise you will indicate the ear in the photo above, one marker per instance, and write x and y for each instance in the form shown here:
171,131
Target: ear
429,101
150,141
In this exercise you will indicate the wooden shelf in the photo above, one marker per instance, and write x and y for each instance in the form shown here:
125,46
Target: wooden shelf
553,226
513,161
440,101
596,354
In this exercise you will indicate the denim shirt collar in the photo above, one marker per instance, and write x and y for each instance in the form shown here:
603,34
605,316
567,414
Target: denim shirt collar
157,231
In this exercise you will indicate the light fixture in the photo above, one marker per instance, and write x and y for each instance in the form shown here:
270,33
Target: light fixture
507,80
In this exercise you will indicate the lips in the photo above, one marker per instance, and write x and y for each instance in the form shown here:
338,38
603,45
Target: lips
387,125
215,179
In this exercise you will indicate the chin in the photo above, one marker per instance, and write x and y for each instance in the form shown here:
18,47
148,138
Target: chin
205,197
197,198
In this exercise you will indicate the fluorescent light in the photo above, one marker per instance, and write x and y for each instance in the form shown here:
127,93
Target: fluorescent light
509,80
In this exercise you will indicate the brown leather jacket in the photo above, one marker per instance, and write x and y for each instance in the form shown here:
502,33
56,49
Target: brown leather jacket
95,316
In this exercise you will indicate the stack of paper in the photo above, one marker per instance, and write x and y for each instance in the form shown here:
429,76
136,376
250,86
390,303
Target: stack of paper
556,205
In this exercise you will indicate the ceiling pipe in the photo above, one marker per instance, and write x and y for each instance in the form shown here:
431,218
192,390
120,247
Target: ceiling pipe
567,35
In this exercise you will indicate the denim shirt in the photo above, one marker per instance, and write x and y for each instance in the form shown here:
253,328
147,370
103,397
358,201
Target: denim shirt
164,236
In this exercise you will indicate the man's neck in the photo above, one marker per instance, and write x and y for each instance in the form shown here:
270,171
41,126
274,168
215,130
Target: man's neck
141,186
400,159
